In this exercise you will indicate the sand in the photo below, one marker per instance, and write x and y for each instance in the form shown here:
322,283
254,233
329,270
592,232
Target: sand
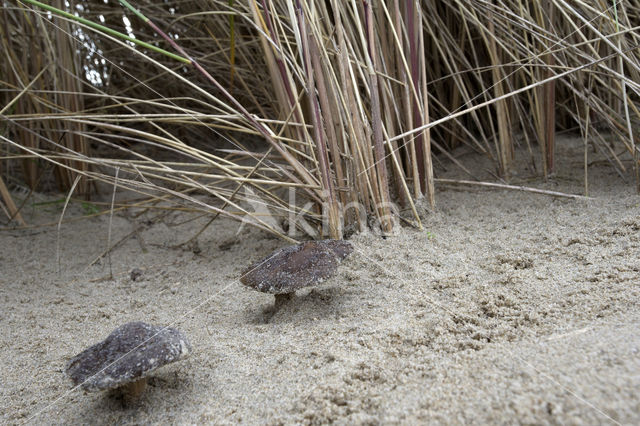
510,307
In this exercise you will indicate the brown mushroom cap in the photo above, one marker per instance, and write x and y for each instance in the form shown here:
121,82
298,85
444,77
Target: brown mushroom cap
294,267
128,354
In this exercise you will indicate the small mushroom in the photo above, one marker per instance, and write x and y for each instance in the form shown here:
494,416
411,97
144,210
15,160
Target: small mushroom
136,274
294,267
124,359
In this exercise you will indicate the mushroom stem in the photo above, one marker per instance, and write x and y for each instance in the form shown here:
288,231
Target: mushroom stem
281,300
132,391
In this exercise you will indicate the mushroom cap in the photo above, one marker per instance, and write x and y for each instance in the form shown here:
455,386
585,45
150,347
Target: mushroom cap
128,354
291,268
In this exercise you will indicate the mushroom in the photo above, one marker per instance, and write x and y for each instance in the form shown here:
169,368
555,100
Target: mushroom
291,268
125,358
136,274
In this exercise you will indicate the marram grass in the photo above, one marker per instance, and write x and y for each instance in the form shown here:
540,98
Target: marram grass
332,112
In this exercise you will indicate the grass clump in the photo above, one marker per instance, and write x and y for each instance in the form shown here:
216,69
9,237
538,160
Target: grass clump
337,113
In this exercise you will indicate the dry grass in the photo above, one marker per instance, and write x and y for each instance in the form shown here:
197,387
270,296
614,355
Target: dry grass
341,103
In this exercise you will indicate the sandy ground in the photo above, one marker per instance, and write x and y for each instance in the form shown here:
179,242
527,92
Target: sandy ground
510,308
